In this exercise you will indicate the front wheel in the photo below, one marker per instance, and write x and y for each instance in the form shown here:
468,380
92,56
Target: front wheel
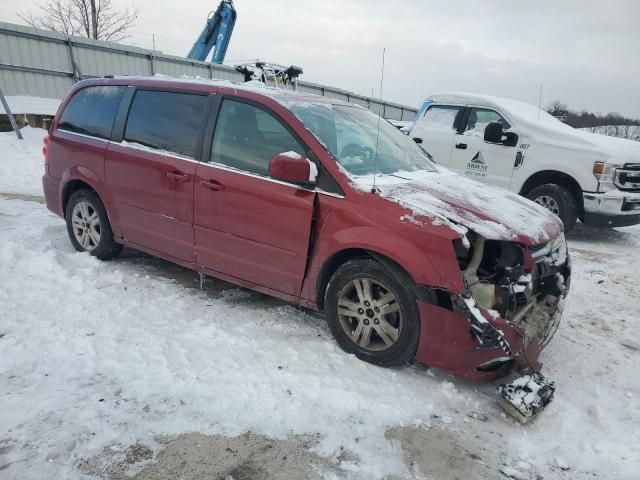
557,199
371,314
88,226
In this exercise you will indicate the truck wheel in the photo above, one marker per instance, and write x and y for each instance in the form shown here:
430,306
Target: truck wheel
371,314
88,226
557,199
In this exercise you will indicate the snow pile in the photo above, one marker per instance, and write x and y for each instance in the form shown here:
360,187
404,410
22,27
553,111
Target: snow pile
31,105
21,161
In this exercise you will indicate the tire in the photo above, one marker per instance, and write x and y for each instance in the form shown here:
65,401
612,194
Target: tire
88,226
393,339
557,199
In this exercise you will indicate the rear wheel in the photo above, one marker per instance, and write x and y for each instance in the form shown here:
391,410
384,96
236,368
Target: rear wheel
557,199
371,314
88,226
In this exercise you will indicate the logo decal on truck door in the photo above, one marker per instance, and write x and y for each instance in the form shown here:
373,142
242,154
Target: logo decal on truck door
477,166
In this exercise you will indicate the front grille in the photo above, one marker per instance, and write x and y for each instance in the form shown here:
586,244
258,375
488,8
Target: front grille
627,178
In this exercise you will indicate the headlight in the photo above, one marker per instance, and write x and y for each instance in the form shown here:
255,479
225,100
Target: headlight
605,173
559,246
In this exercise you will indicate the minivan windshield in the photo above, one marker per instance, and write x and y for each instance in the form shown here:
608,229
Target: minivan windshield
350,134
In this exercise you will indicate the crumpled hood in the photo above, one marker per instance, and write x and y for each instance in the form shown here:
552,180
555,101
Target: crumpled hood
489,211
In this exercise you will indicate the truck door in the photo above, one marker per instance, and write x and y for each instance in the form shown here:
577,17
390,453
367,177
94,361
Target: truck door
436,128
472,156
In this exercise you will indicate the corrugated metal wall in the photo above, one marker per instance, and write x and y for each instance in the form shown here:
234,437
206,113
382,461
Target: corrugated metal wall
40,63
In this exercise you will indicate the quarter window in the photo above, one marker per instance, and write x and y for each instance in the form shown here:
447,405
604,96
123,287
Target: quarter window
247,138
92,110
166,121
479,118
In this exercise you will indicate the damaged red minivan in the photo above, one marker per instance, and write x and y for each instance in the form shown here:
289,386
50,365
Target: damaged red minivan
317,202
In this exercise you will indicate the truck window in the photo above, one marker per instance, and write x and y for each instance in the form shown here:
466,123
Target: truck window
91,111
479,118
166,121
440,117
248,137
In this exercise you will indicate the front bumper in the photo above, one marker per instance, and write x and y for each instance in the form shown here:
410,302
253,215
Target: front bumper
448,341
611,209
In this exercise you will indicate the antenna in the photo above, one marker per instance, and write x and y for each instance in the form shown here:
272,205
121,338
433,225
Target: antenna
375,157
540,101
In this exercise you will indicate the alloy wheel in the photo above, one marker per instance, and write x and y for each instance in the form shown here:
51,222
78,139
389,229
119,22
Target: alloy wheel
549,203
85,223
370,314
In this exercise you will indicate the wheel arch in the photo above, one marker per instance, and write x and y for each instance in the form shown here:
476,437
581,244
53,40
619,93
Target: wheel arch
558,178
335,261
73,186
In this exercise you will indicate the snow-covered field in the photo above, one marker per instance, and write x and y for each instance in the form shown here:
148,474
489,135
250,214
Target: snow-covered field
97,354
631,132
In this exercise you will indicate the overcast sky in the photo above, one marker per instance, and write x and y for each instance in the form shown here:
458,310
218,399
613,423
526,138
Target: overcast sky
585,53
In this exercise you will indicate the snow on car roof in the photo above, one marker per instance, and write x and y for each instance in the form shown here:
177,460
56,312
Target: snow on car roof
281,95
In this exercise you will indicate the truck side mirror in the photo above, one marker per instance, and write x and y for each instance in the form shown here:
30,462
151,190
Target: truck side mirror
417,140
493,132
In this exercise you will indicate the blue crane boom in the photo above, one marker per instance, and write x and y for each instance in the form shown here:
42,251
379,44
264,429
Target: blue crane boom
216,34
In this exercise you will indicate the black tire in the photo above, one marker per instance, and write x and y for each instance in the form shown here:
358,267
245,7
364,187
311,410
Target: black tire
106,248
406,344
563,198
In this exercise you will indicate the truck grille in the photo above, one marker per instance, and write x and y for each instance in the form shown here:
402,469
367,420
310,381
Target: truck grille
627,178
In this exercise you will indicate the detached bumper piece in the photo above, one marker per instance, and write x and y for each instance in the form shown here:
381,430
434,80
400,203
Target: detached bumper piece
527,396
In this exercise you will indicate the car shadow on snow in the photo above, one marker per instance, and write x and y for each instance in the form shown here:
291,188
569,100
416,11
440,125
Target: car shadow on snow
213,287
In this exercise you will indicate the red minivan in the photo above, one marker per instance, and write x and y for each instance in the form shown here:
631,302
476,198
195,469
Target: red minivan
315,201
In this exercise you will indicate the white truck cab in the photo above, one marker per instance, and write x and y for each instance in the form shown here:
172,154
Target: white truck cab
514,145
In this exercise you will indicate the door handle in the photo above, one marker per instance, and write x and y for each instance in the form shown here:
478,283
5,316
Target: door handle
178,176
461,146
212,185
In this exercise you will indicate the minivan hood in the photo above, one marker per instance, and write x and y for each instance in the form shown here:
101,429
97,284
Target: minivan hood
489,211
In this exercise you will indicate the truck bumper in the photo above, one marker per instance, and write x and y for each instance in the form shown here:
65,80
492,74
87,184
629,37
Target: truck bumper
611,209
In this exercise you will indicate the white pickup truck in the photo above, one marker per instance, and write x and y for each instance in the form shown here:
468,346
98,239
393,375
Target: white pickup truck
514,145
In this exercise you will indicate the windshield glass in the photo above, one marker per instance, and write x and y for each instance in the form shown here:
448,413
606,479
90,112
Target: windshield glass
350,134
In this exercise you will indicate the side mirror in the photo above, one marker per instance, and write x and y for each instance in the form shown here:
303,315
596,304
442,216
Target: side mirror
417,140
293,168
493,132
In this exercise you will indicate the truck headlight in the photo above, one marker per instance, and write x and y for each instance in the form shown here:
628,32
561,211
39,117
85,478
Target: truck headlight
605,173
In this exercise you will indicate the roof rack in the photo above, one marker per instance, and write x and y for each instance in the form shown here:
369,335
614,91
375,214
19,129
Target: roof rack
282,76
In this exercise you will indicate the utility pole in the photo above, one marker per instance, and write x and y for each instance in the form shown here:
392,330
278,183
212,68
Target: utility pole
94,20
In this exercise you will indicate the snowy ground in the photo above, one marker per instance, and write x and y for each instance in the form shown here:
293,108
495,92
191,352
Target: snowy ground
96,355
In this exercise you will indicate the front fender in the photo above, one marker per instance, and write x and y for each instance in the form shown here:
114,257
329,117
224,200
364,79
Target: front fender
433,264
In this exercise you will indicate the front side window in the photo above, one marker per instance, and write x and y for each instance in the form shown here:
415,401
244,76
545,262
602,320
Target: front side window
440,117
248,137
358,141
479,118
92,110
166,121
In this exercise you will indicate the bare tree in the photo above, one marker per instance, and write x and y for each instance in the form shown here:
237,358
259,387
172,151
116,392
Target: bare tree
98,19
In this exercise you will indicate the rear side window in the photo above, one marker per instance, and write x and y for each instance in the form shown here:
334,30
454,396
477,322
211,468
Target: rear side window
166,121
91,111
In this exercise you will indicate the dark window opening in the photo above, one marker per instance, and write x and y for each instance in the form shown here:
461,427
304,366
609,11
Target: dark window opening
92,110
166,121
